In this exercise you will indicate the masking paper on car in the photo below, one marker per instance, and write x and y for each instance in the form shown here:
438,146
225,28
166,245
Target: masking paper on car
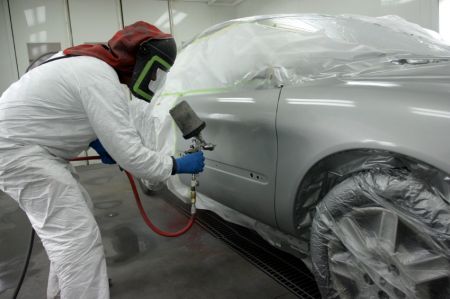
270,51
281,50
266,51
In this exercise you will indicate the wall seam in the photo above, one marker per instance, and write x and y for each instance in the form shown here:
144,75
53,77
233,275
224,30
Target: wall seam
69,23
122,25
13,38
169,8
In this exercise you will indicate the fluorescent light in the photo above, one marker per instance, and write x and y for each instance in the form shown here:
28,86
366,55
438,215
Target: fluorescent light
444,19
394,2
372,83
430,112
162,19
40,12
29,17
321,102
236,100
179,17
380,142
295,24
42,36
223,116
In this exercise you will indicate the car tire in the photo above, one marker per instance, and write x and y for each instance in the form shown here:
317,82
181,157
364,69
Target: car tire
382,235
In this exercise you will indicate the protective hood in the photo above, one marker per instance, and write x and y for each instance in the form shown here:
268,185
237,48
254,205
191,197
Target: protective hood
122,48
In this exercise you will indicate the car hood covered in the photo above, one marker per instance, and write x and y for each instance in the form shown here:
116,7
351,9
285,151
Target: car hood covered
266,51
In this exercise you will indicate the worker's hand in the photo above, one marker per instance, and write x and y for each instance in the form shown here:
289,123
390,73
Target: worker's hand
190,163
104,156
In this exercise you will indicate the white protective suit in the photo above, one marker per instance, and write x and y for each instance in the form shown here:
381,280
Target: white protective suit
47,117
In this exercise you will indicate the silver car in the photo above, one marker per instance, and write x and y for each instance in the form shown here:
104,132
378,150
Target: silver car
332,139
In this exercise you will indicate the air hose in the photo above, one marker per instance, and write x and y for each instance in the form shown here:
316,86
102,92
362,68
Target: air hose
25,266
147,219
144,216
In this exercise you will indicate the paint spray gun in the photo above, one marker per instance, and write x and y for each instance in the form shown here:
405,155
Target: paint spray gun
191,126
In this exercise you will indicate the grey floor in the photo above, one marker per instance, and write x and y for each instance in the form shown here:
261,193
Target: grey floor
140,263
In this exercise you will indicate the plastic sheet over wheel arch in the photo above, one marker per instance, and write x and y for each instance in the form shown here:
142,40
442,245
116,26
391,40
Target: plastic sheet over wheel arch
383,228
268,51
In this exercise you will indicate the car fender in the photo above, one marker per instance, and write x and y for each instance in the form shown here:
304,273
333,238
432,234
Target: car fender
407,117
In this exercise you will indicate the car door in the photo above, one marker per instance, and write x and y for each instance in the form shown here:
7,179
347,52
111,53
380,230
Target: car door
240,173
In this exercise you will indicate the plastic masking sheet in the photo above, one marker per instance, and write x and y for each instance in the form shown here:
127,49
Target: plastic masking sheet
268,51
383,228
279,50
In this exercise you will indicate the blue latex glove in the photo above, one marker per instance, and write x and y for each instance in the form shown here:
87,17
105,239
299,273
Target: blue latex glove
190,163
104,156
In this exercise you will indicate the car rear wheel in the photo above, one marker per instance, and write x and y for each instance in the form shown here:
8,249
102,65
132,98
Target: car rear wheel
382,235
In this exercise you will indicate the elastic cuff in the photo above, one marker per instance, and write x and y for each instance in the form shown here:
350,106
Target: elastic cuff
174,166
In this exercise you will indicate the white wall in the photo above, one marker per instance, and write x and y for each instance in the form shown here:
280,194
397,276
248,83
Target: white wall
422,12
190,18
152,11
38,21
94,21
8,73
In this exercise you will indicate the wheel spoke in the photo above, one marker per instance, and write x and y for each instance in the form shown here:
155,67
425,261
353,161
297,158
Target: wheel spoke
345,273
342,265
388,230
352,236
423,266
379,242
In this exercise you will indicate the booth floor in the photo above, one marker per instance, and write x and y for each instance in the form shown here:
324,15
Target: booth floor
140,263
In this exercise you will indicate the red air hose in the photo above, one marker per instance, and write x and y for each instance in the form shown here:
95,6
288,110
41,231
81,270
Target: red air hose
141,207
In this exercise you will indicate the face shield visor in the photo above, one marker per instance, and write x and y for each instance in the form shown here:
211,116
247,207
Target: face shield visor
153,62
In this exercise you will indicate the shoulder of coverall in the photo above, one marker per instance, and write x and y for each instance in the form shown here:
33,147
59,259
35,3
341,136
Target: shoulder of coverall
89,70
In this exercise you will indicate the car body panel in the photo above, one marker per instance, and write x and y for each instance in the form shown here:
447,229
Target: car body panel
350,102
344,90
402,113
240,172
